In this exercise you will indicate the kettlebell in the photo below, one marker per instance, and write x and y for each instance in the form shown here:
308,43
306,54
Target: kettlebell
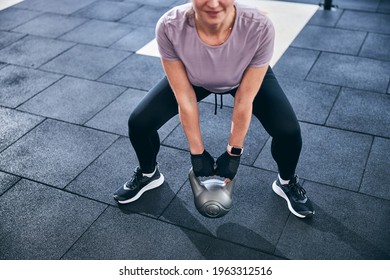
212,197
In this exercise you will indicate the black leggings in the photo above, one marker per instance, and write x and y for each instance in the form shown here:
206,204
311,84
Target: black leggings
270,106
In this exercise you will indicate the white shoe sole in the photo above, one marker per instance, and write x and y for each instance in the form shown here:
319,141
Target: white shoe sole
152,185
281,193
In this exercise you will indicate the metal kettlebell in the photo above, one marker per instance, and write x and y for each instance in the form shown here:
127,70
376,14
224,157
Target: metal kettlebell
213,197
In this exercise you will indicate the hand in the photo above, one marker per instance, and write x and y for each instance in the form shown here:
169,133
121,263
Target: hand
227,165
202,164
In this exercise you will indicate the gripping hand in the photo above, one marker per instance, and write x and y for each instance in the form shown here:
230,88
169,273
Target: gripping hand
202,164
227,165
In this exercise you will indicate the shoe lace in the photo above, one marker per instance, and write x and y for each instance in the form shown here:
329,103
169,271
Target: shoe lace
135,179
297,190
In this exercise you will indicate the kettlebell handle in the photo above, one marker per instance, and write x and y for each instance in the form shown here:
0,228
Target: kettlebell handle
197,186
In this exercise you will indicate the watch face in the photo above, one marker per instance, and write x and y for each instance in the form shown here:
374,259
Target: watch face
236,151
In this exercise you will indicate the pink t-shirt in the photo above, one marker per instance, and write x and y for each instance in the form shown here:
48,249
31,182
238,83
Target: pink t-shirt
216,68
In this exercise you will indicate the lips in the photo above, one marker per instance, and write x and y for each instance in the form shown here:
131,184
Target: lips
213,13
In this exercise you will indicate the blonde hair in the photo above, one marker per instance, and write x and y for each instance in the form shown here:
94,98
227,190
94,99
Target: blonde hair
189,15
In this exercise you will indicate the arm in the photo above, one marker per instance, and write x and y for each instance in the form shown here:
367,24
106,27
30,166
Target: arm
242,111
227,164
188,106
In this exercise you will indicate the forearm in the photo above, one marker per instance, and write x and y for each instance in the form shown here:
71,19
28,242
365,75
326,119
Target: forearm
242,114
187,103
189,118
243,104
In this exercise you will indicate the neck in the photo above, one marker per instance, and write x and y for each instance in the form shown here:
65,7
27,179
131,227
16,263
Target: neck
216,29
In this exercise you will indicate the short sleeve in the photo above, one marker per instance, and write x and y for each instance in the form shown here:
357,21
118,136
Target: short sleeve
265,47
165,47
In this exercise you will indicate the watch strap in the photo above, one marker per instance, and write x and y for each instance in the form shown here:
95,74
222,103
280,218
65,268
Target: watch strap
234,150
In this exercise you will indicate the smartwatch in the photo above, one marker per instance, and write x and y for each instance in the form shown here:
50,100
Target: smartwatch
237,151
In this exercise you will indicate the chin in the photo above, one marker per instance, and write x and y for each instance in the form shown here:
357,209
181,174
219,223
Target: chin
214,19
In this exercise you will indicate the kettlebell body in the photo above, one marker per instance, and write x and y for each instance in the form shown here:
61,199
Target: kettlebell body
212,197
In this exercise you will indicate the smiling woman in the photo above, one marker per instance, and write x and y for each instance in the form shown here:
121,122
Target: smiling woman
216,47
8,3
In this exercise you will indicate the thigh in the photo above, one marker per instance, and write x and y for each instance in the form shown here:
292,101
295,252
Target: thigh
158,106
273,109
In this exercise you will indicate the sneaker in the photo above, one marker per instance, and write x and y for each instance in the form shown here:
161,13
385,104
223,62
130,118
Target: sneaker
297,201
137,185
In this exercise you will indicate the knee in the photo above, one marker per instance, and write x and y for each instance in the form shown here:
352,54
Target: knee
290,133
135,122
140,124
295,131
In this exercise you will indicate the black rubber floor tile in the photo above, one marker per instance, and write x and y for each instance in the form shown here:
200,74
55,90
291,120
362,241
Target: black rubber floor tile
135,40
295,63
376,46
137,71
216,131
7,38
49,25
384,7
304,1
104,176
54,152
377,173
33,51
222,250
72,100
256,219
18,84
326,17
120,235
146,16
326,152
156,3
98,33
116,166
11,17
84,61
346,226
107,10
365,5
41,222
362,111
13,125
351,71
114,117
7,181
312,102
175,3
365,21
65,7
330,39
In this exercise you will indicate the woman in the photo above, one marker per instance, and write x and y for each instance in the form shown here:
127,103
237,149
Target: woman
216,46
